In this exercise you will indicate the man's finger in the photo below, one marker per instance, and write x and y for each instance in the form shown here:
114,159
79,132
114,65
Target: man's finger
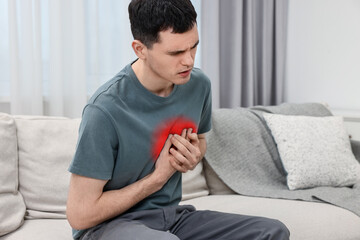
192,136
175,164
187,133
168,143
184,133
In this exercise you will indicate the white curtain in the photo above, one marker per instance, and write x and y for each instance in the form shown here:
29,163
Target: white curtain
25,71
55,53
47,57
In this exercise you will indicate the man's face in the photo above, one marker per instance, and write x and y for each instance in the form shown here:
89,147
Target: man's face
172,58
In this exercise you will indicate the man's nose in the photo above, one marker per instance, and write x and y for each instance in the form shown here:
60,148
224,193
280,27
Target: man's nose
188,59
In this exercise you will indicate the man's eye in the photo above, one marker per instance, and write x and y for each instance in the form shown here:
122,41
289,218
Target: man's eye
175,53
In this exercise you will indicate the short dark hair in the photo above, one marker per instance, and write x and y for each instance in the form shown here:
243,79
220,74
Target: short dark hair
149,17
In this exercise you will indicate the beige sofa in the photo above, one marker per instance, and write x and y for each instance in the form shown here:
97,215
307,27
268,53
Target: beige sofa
35,153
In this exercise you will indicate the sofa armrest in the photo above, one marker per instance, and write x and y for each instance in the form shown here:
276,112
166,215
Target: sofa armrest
355,146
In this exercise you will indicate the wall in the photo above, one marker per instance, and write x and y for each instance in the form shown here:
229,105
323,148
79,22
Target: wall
323,55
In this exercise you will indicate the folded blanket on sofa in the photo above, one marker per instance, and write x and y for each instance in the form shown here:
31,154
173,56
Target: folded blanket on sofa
243,153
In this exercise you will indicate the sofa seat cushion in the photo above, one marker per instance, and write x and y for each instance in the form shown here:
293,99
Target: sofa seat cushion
305,220
42,229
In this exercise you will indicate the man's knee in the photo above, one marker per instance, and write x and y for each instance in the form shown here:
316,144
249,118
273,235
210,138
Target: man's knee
273,229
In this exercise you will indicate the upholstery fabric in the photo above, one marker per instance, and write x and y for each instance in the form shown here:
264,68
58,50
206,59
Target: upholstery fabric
215,184
194,183
42,229
46,147
315,151
12,206
8,154
12,211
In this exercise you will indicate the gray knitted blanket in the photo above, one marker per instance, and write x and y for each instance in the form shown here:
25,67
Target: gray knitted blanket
242,152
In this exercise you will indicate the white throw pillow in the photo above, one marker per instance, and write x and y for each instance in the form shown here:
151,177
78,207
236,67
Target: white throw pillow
315,151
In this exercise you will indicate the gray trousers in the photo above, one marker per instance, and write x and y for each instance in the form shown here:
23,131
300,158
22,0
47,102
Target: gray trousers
184,222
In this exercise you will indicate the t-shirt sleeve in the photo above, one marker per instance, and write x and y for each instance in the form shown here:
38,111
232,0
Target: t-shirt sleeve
97,145
205,121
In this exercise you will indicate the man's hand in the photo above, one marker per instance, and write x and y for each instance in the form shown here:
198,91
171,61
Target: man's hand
186,151
163,168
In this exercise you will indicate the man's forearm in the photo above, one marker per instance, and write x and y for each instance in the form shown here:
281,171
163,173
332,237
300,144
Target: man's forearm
88,205
91,212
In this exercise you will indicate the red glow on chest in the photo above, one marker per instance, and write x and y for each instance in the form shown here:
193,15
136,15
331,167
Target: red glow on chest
170,126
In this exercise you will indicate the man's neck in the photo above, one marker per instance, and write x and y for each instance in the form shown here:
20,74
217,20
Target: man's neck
152,83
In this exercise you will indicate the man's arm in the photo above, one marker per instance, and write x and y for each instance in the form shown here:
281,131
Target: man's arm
88,205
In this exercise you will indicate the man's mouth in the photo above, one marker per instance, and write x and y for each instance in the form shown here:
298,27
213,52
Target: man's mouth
185,73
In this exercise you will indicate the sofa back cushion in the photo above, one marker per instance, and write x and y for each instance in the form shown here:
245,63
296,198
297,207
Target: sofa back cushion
194,183
12,206
46,146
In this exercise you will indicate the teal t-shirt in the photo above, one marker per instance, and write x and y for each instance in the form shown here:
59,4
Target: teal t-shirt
121,130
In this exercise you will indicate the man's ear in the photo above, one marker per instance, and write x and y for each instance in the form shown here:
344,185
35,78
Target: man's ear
140,49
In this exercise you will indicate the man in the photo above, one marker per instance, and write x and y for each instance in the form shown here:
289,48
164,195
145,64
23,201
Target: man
140,131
